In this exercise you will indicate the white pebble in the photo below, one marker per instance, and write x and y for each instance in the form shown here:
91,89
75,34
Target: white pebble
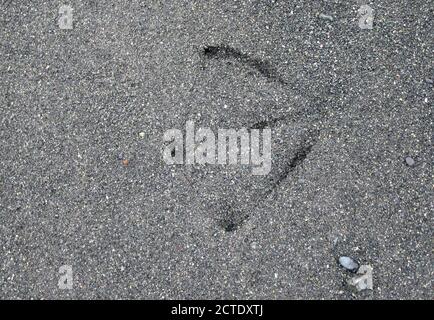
348,263
410,161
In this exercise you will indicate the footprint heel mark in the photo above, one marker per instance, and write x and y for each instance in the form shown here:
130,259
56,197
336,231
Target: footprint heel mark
223,52
230,220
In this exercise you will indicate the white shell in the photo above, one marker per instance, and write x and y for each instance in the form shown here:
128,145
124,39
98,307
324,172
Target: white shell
348,263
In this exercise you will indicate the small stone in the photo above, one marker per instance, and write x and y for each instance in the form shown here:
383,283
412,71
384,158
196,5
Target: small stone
428,80
364,279
325,17
254,245
125,162
410,161
141,134
348,263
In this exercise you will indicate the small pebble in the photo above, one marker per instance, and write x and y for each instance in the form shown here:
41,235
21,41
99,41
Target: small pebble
428,80
141,134
125,162
410,161
348,263
254,245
